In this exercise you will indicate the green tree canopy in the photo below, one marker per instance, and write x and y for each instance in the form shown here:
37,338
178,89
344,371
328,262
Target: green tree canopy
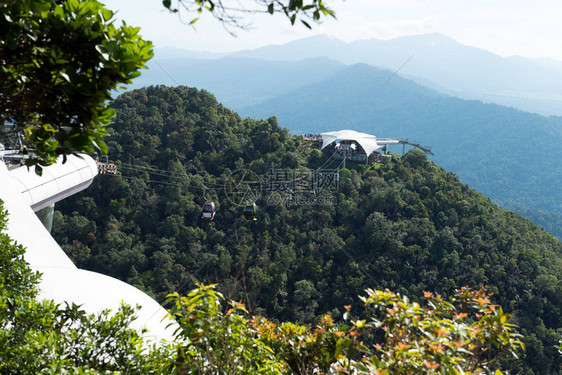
406,224
38,336
465,333
60,61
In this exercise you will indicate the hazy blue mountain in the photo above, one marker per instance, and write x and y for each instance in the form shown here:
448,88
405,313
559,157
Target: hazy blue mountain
307,48
509,155
440,62
238,82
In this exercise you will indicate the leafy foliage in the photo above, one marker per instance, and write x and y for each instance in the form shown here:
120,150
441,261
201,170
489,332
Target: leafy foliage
60,62
303,10
217,343
39,337
406,225
466,334
463,335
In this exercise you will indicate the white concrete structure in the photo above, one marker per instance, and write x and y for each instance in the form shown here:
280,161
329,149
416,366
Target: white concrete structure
57,182
22,192
369,142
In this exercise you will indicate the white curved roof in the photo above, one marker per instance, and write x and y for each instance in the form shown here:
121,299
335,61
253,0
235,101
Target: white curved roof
95,292
367,141
57,182
61,280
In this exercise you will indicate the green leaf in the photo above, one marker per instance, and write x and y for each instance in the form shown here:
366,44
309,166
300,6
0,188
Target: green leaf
106,14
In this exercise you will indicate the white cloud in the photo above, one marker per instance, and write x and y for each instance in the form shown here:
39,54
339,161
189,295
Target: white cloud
353,26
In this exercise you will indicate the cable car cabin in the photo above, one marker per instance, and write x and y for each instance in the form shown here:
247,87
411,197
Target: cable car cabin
250,212
208,211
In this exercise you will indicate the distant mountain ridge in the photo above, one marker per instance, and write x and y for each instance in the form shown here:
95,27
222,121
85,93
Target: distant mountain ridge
533,85
466,72
238,81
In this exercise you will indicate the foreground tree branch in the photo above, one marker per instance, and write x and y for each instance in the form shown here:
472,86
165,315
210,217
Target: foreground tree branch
232,13
60,62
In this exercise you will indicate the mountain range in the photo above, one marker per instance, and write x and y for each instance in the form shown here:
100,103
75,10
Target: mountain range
439,62
510,155
239,82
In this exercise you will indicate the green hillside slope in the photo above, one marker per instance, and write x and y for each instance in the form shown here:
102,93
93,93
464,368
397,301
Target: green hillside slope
511,156
407,225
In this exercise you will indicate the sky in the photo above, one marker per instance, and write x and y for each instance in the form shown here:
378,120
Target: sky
529,28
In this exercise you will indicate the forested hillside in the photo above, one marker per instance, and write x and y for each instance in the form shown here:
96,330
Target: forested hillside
511,156
407,224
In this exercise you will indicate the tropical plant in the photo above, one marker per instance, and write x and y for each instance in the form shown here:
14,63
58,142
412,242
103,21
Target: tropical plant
464,334
213,342
60,63
40,337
